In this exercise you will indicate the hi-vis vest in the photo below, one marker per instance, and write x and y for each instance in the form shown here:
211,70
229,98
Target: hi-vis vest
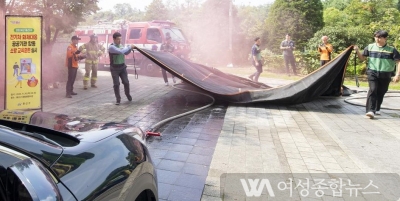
92,51
117,60
381,58
71,59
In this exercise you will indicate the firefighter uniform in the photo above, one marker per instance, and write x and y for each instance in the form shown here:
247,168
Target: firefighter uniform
92,50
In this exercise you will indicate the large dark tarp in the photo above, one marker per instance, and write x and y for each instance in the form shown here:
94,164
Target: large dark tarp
325,81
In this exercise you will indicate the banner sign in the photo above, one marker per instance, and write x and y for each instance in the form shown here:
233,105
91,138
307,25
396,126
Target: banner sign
23,63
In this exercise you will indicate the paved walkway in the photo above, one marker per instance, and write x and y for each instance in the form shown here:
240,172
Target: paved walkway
325,136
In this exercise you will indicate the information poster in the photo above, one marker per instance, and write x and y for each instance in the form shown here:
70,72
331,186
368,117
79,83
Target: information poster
23,63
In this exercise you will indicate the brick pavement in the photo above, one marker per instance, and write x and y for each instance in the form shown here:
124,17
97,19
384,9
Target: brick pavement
323,136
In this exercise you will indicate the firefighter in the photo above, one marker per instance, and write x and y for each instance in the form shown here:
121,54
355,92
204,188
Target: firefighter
93,51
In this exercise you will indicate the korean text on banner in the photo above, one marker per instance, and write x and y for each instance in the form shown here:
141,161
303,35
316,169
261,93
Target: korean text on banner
23,62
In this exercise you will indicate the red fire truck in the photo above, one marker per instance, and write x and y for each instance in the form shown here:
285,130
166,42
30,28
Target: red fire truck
143,35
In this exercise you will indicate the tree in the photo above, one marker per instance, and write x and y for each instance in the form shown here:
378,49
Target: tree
341,37
253,21
300,18
335,17
211,32
388,21
99,17
59,16
337,4
156,11
125,11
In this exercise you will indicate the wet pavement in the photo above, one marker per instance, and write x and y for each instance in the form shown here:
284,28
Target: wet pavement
326,136
184,153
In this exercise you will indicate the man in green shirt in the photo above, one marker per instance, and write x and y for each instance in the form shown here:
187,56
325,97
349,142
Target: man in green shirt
381,63
117,54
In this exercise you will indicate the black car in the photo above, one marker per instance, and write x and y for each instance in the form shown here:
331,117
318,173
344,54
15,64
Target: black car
76,159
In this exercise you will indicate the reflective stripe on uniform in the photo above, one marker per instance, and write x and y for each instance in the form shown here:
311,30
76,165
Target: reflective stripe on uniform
91,62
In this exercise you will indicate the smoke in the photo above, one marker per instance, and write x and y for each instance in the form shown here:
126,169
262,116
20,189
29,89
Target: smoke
215,34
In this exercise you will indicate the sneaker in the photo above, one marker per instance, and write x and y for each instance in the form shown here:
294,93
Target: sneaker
94,86
370,115
68,96
378,113
173,79
73,93
129,98
166,84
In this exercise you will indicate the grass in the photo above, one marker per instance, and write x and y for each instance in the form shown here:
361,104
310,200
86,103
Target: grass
363,83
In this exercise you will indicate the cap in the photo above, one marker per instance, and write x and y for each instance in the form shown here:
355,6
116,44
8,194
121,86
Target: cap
75,38
93,36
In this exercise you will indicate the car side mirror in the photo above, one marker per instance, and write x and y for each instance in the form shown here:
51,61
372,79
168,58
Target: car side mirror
30,180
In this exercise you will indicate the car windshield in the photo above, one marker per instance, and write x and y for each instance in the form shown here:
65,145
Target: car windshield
175,33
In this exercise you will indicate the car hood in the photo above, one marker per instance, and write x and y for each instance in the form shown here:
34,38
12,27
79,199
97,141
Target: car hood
86,130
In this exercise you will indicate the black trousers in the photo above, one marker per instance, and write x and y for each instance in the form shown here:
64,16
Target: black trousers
116,74
71,79
378,86
289,59
323,62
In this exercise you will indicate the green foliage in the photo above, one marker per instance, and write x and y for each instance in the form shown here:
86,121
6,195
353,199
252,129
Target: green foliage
298,17
307,61
156,11
272,62
336,4
253,22
334,17
389,22
341,38
125,11
103,16
360,68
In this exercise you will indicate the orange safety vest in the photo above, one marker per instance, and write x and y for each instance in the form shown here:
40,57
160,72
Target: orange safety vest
71,60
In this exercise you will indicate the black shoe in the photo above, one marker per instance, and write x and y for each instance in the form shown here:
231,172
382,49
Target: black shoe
118,102
68,96
85,88
94,86
129,98
73,93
